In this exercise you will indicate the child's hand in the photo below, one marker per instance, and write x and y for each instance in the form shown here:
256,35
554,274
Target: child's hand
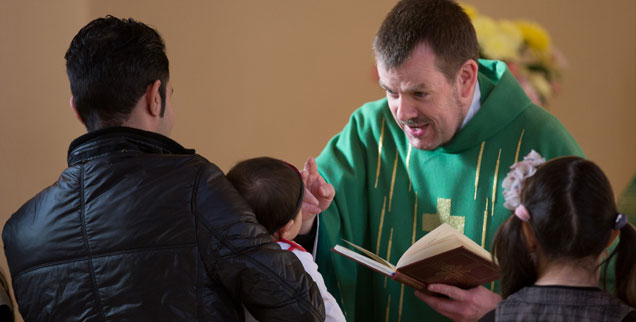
460,304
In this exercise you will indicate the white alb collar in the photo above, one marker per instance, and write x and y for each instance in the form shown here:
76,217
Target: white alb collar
474,105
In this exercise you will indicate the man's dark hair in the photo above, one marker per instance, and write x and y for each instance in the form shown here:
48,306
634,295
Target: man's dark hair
273,188
441,24
110,64
573,213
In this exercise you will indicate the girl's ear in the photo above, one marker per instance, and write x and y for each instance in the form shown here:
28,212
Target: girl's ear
283,233
531,239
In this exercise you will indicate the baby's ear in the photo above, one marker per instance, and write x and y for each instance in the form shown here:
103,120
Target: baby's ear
284,231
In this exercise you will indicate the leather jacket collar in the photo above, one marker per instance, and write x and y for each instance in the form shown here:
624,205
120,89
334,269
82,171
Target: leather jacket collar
116,139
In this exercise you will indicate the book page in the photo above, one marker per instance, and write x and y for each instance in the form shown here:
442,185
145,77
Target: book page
366,261
370,254
474,247
440,246
439,240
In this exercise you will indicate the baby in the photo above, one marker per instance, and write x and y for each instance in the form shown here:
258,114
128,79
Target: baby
274,189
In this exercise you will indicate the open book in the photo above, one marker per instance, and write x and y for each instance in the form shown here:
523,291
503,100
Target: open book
444,256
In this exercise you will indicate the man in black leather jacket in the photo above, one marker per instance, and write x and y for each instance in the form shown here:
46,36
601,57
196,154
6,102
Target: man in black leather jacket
138,228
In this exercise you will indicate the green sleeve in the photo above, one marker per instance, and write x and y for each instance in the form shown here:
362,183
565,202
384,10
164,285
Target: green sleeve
627,202
545,134
626,205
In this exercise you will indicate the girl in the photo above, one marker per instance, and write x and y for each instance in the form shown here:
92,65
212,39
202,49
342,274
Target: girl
550,252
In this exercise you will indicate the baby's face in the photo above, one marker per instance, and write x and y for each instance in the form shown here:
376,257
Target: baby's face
298,221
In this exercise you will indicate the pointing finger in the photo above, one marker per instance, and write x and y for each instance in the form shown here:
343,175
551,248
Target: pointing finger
310,166
327,191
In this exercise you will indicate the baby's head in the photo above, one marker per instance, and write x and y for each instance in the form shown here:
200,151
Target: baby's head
274,189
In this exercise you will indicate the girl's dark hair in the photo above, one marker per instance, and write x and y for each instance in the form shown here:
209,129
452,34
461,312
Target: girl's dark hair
573,213
273,188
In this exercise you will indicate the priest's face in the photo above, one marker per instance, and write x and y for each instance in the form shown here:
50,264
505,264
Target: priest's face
425,105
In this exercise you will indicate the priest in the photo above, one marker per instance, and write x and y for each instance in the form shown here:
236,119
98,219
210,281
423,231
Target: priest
434,150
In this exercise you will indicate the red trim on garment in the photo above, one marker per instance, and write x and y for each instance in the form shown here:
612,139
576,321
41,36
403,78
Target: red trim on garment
292,245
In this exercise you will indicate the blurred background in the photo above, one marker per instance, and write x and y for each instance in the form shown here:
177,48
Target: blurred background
281,77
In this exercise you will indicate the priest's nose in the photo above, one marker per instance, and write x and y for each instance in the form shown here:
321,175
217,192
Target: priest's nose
404,108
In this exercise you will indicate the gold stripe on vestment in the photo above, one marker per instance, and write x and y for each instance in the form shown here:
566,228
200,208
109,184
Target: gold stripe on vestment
377,247
408,170
401,300
377,172
388,253
388,306
494,184
414,220
519,145
342,305
483,232
481,153
393,178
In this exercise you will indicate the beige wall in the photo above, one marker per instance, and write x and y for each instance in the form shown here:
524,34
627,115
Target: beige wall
280,77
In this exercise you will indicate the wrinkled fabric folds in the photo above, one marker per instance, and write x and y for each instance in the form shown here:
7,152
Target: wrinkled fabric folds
138,228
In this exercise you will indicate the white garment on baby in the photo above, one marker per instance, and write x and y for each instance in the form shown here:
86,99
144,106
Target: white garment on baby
333,312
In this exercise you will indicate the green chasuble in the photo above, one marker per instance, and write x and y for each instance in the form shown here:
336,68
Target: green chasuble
388,195
626,205
627,202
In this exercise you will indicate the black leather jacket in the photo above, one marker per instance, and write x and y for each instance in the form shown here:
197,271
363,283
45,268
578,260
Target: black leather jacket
138,228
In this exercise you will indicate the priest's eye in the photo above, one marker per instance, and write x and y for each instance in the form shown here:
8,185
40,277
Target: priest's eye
419,94
390,92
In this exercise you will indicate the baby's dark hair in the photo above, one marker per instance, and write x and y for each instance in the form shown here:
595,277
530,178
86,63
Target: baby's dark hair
273,188
573,214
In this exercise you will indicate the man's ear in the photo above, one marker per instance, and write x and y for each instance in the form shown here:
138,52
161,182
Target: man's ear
153,99
531,240
74,108
466,79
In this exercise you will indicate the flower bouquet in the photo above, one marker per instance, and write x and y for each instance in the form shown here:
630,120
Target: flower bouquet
526,48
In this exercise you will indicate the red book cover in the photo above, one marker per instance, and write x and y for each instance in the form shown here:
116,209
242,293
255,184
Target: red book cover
458,267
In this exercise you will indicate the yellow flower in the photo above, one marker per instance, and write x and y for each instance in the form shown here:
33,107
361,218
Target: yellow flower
541,84
525,46
469,10
535,36
498,40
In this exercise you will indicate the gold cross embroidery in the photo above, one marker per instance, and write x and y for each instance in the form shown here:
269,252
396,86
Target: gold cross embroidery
443,215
